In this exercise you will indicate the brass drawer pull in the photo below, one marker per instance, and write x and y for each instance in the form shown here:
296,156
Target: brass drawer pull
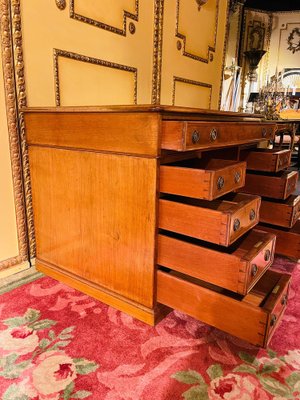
284,300
252,215
195,137
220,182
237,177
254,269
273,320
236,225
213,134
267,255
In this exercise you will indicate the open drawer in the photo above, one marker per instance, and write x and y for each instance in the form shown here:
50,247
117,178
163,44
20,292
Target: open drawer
202,179
253,317
236,268
269,160
281,213
219,221
277,186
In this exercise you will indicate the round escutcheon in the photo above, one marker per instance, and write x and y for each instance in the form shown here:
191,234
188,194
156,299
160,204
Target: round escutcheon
220,182
254,269
252,215
236,224
267,255
284,300
195,137
237,177
213,134
273,320
132,28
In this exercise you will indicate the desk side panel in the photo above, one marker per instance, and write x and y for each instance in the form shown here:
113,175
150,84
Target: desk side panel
95,217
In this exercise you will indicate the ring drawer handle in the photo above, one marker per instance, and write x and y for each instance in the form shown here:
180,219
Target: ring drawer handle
254,269
252,215
195,137
213,134
267,255
264,132
273,320
284,300
236,224
237,177
220,182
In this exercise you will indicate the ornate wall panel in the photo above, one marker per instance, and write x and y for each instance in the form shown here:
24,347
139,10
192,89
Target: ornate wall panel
77,76
121,51
193,42
190,93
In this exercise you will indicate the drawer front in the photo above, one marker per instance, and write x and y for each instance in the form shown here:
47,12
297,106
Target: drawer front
189,135
240,318
237,271
277,303
212,225
266,160
283,160
287,241
291,184
276,187
201,183
263,258
280,214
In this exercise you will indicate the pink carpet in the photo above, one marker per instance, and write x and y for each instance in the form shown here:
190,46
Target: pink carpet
56,343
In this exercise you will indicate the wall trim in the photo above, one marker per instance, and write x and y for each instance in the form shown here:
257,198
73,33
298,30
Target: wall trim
102,25
91,60
210,49
157,50
13,133
190,82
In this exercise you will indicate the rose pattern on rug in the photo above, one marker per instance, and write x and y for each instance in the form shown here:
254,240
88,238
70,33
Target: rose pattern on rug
34,357
137,361
262,378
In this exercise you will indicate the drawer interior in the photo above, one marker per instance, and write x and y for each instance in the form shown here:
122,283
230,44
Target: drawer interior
212,164
247,317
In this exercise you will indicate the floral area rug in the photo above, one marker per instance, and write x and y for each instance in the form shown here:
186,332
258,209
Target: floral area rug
57,343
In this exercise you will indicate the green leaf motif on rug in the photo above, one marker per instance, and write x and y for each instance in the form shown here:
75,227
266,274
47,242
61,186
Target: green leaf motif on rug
273,386
43,350
214,371
189,377
196,393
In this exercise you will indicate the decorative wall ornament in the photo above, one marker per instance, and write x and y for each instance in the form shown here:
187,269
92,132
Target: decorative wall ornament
200,3
234,5
294,40
190,82
256,35
183,37
157,50
103,25
22,102
79,57
61,4
13,132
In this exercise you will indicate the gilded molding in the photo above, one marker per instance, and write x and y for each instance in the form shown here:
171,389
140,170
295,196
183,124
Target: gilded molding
228,13
183,37
157,50
61,4
79,57
13,133
189,82
102,25
22,102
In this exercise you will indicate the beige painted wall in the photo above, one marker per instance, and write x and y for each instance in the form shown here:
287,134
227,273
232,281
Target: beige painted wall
101,62
107,52
8,225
